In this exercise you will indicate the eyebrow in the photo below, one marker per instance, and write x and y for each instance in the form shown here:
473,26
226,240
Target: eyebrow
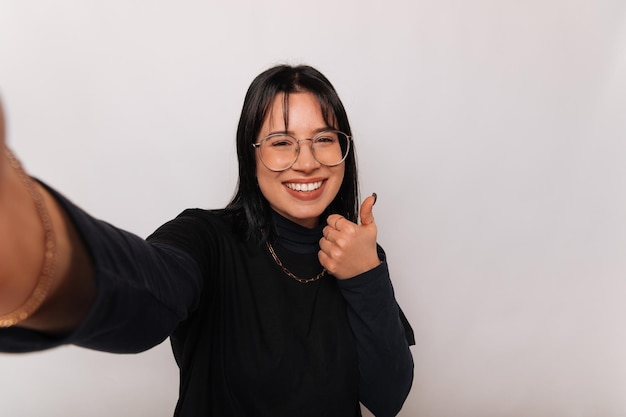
291,133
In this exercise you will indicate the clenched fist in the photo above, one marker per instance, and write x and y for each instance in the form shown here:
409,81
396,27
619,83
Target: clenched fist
348,249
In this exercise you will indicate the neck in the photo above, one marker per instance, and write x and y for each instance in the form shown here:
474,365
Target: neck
295,237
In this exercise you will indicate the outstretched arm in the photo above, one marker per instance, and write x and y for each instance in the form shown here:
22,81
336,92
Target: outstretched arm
46,278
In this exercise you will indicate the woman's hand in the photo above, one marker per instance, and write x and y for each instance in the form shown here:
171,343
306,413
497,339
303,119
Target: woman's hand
348,249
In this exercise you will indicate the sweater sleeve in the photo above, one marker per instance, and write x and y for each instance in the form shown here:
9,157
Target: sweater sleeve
143,291
382,337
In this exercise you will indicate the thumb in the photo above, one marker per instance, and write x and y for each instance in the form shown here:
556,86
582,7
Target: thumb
367,217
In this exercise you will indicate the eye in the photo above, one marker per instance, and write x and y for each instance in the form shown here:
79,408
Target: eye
280,141
326,138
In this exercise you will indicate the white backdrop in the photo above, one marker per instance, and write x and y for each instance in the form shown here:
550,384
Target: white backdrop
493,132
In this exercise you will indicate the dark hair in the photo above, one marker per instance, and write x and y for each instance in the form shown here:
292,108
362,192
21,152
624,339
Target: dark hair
253,210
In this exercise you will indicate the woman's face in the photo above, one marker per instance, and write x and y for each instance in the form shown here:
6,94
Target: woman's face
281,189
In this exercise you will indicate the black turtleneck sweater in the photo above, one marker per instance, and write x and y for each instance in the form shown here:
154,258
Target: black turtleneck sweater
249,340
296,238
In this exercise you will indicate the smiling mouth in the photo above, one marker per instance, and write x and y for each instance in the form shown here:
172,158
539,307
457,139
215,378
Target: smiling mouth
302,187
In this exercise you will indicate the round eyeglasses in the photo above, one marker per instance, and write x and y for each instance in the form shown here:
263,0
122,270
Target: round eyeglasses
279,151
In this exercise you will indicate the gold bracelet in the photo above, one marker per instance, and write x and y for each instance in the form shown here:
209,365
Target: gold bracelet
40,292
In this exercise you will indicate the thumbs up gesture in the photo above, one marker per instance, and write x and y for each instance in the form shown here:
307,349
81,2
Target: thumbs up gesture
348,249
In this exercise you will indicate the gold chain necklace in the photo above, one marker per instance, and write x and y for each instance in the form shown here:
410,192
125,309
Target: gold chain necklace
288,272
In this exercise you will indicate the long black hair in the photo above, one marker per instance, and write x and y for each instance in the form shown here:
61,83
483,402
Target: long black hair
253,210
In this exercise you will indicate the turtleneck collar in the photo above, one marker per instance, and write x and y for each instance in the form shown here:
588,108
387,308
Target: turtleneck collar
297,238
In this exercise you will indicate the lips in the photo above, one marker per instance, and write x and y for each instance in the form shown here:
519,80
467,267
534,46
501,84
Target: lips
304,187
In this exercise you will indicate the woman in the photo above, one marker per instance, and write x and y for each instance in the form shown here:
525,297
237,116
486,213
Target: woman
278,305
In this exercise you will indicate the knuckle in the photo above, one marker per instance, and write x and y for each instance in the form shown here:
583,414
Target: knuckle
336,254
340,243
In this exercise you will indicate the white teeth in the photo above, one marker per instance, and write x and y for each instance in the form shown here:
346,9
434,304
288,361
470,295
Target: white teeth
297,186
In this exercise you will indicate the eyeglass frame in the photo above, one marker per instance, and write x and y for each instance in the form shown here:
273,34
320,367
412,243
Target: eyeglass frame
257,146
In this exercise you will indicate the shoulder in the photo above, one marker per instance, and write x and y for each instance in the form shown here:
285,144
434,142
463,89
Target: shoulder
195,224
200,232
210,237
216,218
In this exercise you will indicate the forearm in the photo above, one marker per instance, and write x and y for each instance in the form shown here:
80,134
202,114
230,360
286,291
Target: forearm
385,361
144,290
45,272
73,288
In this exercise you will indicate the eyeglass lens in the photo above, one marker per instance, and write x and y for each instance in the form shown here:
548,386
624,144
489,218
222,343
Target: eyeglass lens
279,151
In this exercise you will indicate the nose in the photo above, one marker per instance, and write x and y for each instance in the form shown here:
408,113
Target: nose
306,160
